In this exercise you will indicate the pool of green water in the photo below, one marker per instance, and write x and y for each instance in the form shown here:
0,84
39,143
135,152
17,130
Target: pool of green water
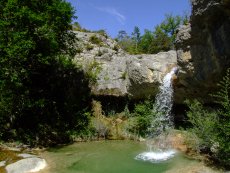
105,157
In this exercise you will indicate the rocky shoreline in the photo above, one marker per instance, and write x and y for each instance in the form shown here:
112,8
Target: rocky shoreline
19,158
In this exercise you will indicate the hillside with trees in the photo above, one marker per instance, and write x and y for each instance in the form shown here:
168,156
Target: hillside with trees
162,38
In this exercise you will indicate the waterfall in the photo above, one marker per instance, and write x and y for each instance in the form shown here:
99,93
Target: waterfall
162,121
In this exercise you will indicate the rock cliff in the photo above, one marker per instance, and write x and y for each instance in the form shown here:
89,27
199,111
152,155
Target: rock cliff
115,73
203,50
202,54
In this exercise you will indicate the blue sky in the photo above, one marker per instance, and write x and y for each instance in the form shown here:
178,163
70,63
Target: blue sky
116,15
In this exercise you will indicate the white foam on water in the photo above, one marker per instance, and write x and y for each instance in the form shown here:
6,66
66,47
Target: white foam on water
157,156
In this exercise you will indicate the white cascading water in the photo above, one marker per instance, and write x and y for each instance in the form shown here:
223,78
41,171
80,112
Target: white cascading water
159,150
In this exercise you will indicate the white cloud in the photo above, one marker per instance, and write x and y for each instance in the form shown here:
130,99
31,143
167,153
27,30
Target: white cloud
112,11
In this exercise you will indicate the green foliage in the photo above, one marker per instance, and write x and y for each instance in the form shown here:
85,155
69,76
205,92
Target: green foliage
162,38
213,127
124,74
170,24
95,40
102,32
160,42
141,118
42,92
92,71
146,41
79,50
89,47
116,47
223,134
203,122
136,37
77,27
125,42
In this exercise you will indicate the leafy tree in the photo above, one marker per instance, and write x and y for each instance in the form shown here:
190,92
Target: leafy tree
213,127
125,42
146,41
161,41
222,98
122,35
136,36
162,38
141,118
204,123
170,24
37,94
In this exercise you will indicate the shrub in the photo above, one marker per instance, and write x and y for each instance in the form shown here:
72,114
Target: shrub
141,118
102,32
89,47
116,47
92,71
213,127
123,75
222,98
79,50
95,40
203,124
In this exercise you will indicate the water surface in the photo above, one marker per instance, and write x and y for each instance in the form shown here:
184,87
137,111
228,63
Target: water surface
105,157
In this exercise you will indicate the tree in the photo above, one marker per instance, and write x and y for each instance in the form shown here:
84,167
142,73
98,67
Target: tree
136,37
222,98
171,24
212,127
122,35
162,38
161,41
36,45
146,41
125,42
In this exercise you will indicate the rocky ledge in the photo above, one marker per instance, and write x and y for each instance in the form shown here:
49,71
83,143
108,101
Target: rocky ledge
116,73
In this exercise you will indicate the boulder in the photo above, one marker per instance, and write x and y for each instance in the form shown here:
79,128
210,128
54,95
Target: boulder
33,164
203,52
145,73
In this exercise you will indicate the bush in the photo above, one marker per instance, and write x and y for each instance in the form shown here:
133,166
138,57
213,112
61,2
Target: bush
92,71
141,118
102,32
95,40
222,98
213,127
203,124
89,47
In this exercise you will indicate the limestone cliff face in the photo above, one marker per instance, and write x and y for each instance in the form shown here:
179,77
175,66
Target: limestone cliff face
117,73
203,50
